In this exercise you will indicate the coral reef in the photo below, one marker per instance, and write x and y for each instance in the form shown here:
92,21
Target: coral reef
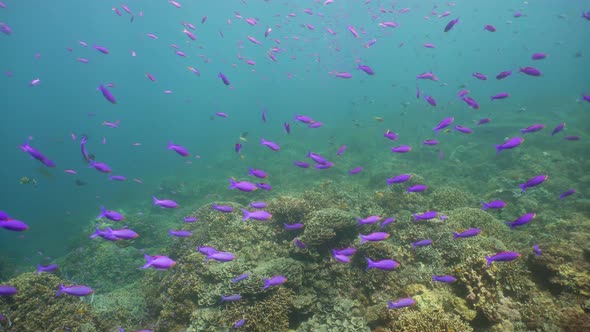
36,308
409,320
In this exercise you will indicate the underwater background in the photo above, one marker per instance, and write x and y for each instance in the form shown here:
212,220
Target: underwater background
128,79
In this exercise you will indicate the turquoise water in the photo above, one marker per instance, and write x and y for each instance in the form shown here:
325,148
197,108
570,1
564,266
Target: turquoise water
61,213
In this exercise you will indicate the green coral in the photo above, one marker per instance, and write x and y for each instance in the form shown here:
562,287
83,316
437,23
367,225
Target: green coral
36,308
448,198
125,307
344,316
408,320
328,227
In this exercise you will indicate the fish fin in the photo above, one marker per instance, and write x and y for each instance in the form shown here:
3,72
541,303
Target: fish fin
370,263
522,187
498,148
148,260
61,289
484,206
455,235
489,259
246,215
155,200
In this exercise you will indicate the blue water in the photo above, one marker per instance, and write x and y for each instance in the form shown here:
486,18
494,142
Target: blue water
67,101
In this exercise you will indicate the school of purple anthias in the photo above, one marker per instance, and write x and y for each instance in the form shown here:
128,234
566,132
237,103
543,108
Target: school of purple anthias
264,35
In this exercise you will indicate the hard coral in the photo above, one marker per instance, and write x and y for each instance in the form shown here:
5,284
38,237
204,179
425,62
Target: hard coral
408,320
328,226
448,198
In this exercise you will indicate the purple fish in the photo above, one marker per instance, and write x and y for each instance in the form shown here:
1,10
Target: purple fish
341,150
463,129
164,203
483,121
77,290
221,256
537,250
258,205
391,135
122,233
287,127
7,290
341,258
418,188
355,170
467,233
384,264
538,56
427,76
299,244
190,219
292,227
5,29
240,277
387,222
344,252
238,147
490,28
110,214
572,138
502,75
107,94
316,124
504,256
260,215
35,154
239,323
207,250
231,298
223,208
479,76
430,142
377,236
531,71
178,149
117,178
244,186
4,216
451,24
421,243
158,262
301,164
317,158
14,225
532,128
522,220
101,49
264,186
511,143
462,93
493,205
501,95
430,100
366,69
399,179
257,173
426,215
223,78
470,102
368,220
179,233
46,268
443,124
446,279
304,119
274,281
401,303
401,149
101,167
559,128
535,181
567,193
271,145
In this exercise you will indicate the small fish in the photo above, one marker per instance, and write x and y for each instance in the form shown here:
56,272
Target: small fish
223,78
292,227
428,215
489,28
14,225
511,143
101,167
239,323
240,277
504,256
384,264
558,128
538,56
501,95
77,290
401,149
522,220
258,205
238,147
532,128
158,262
368,220
451,24
222,208
178,149
399,179
470,102
355,170
46,268
271,145
110,214
401,303
101,49
341,150
260,215
164,203
483,121
467,233
391,135
463,129
535,181
421,243
244,186
190,219
479,76
531,71
430,100
387,222
444,123
301,164
377,236
537,250
503,74
567,193
572,138
493,205
107,94
418,188
180,233
274,281
430,142
231,298
221,256
366,69
287,127
299,244
446,279
264,186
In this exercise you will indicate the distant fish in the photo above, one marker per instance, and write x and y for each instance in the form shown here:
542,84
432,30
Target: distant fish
467,233
532,128
558,128
537,250
522,220
490,28
538,56
401,303
107,94
511,143
505,256
493,205
401,149
503,75
446,279
443,124
271,145
501,95
384,264
451,24
158,262
421,243
178,149
531,71
533,182
223,78
76,290
479,76
164,203
567,193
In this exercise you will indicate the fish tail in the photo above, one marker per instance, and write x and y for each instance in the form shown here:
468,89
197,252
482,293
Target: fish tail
95,234
484,206
489,259
148,261
61,289
522,187
266,284
455,235
102,212
155,200
246,215
370,263
232,183
498,148
38,269
363,240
